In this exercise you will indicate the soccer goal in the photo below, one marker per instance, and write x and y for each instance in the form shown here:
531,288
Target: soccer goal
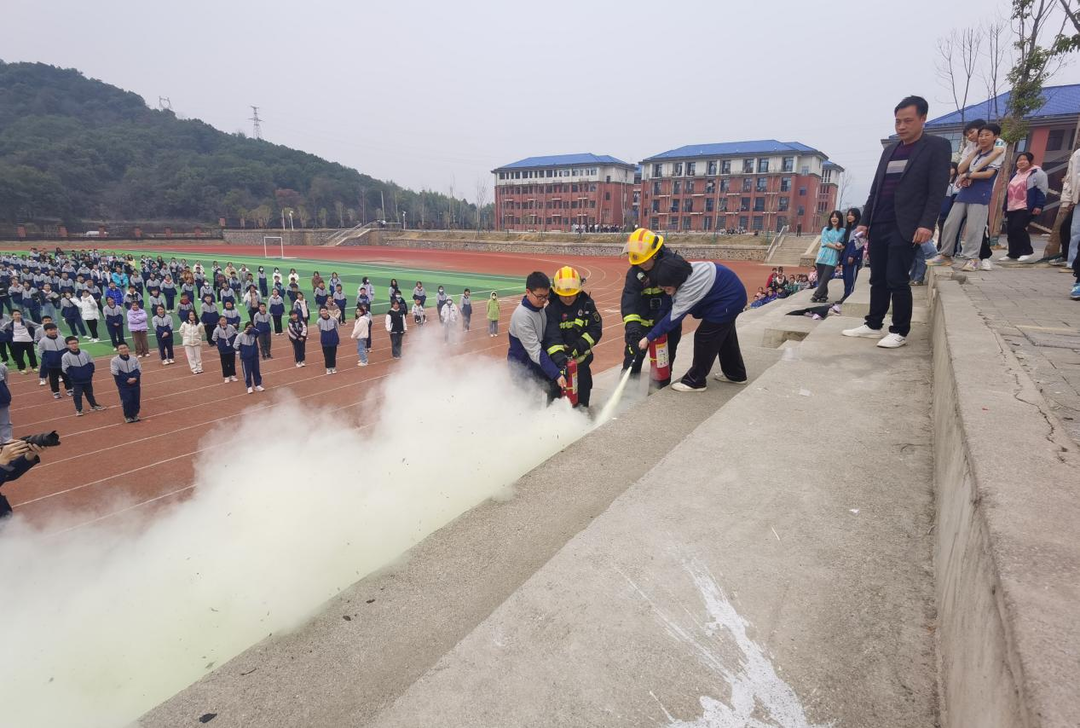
273,241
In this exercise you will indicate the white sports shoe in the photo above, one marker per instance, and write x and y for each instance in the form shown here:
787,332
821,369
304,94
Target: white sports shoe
720,377
863,332
250,390
1003,258
1027,258
680,387
969,266
259,388
985,264
892,341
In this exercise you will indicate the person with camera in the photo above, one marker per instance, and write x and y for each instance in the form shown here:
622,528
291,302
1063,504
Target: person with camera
16,457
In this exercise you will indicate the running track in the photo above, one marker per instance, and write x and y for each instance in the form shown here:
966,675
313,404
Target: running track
105,467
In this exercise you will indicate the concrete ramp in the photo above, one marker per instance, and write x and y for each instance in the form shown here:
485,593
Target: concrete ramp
773,570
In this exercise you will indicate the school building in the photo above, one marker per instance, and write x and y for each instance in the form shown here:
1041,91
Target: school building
744,186
564,192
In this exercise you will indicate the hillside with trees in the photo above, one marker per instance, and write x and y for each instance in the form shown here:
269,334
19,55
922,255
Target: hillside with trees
74,149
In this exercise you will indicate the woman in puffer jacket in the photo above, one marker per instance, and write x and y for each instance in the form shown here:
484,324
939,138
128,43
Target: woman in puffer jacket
191,337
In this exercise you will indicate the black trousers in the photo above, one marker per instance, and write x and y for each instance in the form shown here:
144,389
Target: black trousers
116,335
130,400
228,363
633,359
712,340
55,377
4,347
209,328
298,350
891,257
22,349
824,275
165,348
584,384
277,322
1017,231
330,356
78,389
92,325
264,345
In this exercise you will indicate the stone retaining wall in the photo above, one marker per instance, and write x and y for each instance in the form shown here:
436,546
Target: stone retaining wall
290,237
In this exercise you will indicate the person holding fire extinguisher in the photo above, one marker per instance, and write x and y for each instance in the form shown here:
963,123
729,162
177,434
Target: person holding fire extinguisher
644,302
710,292
574,327
528,359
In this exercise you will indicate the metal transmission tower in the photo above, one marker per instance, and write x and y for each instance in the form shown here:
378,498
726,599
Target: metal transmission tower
256,127
164,103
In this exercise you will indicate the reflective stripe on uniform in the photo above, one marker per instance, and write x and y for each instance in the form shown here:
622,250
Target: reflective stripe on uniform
631,318
555,348
651,291
589,339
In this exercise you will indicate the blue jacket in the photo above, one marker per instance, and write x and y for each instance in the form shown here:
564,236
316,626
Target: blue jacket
247,345
79,367
721,302
1036,190
52,351
530,321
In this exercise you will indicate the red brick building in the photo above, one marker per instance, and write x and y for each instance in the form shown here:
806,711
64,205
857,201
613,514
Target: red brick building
754,185
560,192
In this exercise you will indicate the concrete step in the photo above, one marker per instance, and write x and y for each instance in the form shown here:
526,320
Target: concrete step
776,563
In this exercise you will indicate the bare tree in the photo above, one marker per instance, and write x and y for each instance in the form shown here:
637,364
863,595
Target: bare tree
847,179
339,208
959,55
992,75
481,200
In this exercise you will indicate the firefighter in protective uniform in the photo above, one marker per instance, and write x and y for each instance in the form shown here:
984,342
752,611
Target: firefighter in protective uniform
643,301
573,328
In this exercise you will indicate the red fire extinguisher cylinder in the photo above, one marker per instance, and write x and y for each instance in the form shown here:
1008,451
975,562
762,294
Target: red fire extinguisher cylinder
659,362
570,391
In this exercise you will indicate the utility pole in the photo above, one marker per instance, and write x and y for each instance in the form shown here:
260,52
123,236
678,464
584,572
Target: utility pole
256,127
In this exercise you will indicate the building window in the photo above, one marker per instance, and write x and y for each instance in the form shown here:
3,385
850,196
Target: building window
785,184
1055,140
676,187
688,204
763,166
710,186
744,221
656,188
744,204
607,195
747,184
691,169
678,170
759,222
762,184
709,204
658,170
802,192
689,186
801,211
748,166
592,188
710,168
759,204
789,164
654,223
686,223
706,222
805,169
783,204
725,185
781,222
723,204
573,188
674,204
656,205
725,166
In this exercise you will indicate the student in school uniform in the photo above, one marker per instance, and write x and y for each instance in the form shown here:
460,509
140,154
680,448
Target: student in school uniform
224,337
264,290
88,312
185,307
300,305
261,320
127,374
232,316
322,296
396,327
163,327
154,299
209,317
139,325
114,322
5,409
5,339
341,302
360,333
72,313
79,366
293,292
51,348
275,304
466,310
328,338
247,343
191,338
298,337
252,299
132,296
419,316
168,290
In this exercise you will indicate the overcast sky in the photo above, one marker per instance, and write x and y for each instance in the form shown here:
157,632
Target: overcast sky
430,93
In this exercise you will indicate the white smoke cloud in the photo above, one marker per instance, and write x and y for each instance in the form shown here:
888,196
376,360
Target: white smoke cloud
104,622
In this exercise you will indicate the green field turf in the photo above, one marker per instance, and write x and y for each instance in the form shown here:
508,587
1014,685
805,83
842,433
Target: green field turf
480,284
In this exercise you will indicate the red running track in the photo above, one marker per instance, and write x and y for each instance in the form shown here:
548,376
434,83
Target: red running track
106,466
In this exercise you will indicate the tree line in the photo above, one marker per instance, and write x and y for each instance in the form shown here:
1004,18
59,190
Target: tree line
75,149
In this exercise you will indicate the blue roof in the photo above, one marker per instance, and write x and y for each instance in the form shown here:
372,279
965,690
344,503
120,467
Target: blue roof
564,160
1057,101
726,149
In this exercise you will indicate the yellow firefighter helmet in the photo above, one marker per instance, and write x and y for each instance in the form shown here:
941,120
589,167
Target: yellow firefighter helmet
567,282
642,245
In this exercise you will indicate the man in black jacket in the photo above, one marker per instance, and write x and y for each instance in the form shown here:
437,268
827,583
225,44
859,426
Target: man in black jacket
900,213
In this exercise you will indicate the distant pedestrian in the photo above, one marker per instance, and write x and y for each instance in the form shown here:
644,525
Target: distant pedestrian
440,300
224,337
1025,199
396,327
247,343
191,337
127,374
328,338
209,316
79,366
420,293
361,332
493,315
832,244
298,337
466,310
163,328
418,313
341,301
449,317
852,256
264,290
138,325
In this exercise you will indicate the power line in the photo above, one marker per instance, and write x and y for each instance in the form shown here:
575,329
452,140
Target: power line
256,127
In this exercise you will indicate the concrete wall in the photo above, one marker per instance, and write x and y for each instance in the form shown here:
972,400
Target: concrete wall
1007,558
291,237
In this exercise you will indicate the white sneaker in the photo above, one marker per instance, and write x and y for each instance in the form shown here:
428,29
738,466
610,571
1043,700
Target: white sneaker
303,363
835,308
88,338
233,379
227,380
863,332
985,264
892,341
327,371
720,377
362,364
41,382
259,388
1027,258
969,266
94,341
1004,258
680,387
298,365
334,370
250,390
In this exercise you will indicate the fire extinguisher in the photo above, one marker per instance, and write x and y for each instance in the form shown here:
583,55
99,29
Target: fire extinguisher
659,363
570,391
